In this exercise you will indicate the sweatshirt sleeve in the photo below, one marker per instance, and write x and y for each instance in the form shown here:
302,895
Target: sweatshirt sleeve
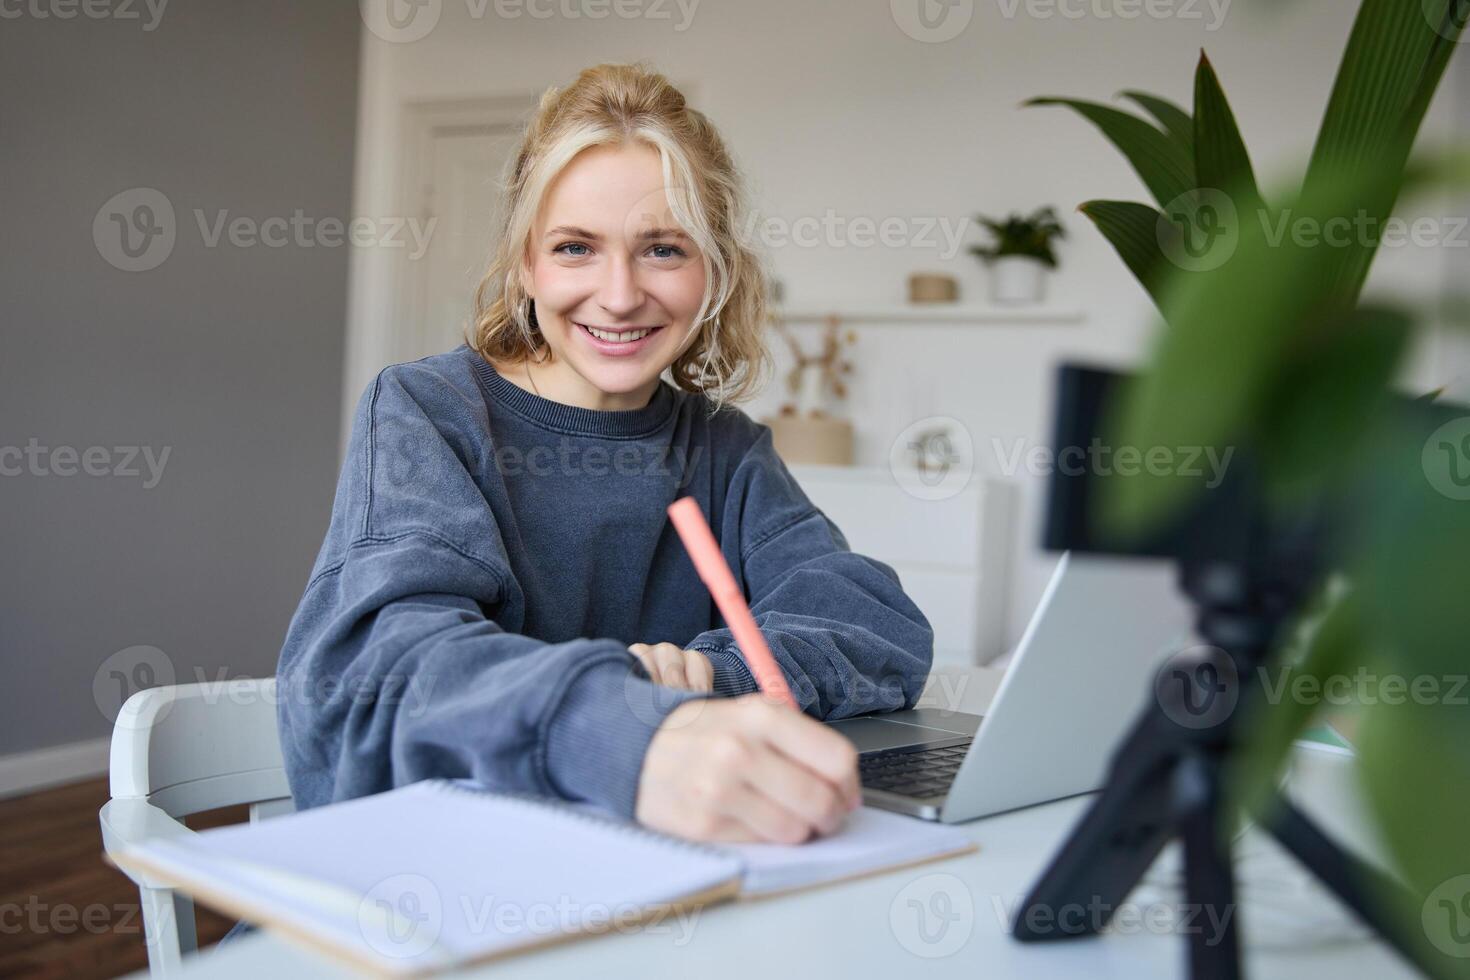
396,666
839,624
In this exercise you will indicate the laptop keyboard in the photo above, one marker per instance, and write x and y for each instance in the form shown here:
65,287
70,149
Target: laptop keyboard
912,772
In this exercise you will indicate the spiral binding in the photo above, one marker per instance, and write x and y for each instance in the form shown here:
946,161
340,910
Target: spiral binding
566,810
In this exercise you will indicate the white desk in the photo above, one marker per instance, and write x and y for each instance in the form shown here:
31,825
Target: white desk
868,928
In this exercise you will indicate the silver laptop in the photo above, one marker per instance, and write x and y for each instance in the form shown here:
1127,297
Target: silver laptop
1082,672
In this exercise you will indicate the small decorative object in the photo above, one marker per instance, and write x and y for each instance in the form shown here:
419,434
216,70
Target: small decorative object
1020,255
803,431
932,287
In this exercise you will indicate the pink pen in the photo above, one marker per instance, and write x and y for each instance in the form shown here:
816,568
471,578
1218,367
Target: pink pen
699,541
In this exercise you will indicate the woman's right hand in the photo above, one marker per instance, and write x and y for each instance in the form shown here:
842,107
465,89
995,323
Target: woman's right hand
746,769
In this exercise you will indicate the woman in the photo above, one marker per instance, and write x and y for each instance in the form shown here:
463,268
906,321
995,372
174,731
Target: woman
500,596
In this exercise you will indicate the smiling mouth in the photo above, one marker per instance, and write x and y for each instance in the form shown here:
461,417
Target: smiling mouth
619,335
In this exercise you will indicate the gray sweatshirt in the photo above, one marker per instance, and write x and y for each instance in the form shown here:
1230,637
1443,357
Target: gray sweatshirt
492,554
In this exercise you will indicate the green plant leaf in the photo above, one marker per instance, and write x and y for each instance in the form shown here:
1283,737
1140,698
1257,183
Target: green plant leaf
1227,330
1394,62
1220,158
1327,397
1271,725
1415,771
1160,162
1234,330
1176,122
1410,566
1415,538
1133,231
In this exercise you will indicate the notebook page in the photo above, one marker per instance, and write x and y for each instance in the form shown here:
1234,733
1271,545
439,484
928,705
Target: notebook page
438,872
869,840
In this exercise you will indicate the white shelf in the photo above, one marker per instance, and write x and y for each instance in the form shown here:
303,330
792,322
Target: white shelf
937,313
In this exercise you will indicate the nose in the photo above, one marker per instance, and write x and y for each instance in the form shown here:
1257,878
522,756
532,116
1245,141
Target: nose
620,293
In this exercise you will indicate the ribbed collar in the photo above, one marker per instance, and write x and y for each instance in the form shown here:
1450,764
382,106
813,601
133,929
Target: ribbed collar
570,419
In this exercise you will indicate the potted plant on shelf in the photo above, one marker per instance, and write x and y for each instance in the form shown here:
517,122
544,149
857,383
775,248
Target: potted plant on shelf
1020,255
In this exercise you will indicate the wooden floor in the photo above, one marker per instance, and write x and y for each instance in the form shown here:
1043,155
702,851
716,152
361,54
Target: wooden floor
65,913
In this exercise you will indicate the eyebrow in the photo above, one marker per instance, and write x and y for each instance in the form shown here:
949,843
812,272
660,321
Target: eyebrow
651,233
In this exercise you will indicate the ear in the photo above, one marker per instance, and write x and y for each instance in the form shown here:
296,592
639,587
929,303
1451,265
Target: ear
527,280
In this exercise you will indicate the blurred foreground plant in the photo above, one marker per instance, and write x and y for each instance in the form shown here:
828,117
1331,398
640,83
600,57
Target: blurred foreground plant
1267,344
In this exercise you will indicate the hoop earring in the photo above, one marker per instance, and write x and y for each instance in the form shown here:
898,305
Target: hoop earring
543,349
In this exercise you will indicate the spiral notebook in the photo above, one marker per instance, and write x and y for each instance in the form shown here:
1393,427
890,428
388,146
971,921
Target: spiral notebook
442,873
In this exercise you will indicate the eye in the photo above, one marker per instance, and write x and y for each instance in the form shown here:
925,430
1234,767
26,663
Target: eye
575,255
676,250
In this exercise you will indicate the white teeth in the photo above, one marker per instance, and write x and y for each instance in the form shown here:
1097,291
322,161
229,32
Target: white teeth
617,338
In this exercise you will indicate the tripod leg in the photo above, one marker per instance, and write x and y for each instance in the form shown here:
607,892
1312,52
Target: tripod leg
1113,844
1209,882
1361,887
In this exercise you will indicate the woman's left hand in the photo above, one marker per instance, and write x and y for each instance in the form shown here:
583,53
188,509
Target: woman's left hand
672,666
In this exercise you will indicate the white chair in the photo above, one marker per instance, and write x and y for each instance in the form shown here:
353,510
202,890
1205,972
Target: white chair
180,750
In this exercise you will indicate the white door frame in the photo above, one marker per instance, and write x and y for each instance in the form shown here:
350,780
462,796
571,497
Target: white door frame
383,285
425,122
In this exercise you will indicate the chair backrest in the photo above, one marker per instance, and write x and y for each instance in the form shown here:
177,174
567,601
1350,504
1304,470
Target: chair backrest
193,747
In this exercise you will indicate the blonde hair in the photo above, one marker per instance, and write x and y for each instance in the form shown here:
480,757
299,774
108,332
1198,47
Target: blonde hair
613,105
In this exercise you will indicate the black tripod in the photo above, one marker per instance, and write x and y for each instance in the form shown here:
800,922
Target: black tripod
1167,780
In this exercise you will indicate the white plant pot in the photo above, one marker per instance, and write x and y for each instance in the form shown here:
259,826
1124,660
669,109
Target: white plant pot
1016,280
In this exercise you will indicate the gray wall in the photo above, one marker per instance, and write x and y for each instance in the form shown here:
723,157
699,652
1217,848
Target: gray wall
227,357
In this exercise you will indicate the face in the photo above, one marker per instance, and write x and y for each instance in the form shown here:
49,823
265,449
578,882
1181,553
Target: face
615,281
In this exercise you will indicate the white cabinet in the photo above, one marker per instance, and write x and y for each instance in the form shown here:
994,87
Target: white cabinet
952,555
